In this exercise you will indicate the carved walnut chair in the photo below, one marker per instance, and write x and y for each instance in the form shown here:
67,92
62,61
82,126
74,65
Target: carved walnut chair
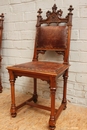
53,38
1,29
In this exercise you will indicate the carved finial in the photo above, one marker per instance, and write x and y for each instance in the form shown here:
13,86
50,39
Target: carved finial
48,13
2,16
39,11
70,9
54,8
60,12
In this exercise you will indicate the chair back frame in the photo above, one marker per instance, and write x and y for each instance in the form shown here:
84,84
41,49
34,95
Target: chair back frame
61,33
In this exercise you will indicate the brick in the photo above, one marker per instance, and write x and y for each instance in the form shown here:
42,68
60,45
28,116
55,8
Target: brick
26,35
70,85
44,5
83,56
72,76
21,26
77,45
81,101
75,35
4,36
69,2
78,23
71,99
11,52
14,35
81,77
30,16
80,94
26,54
15,1
78,86
9,26
86,95
22,60
4,2
83,12
12,17
82,2
83,46
74,56
7,44
78,67
5,9
83,34
71,92
26,0
24,44
85,87
8,61
24,7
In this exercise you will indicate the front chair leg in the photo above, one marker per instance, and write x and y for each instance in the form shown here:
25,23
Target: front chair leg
52,120
12,83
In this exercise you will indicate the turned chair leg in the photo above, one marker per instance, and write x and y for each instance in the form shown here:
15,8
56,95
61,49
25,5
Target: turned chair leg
0,87
35,96
13,106
65,77
0,77
52,121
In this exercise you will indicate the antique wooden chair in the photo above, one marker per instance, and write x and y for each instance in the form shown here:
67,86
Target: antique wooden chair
52,37
1,29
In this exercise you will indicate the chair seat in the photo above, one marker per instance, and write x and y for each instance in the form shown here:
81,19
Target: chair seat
40,67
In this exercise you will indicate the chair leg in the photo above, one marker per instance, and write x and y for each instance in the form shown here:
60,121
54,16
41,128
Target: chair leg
0,86
65,77
0,77
52,121
35,96
13,106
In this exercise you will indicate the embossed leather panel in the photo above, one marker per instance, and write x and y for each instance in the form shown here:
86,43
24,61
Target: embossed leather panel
51,37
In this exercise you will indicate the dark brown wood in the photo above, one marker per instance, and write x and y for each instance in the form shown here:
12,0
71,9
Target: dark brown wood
53,36
1,29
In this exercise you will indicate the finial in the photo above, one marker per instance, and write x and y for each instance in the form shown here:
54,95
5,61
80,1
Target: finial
54,8
2,16
70,9
39,11
60,12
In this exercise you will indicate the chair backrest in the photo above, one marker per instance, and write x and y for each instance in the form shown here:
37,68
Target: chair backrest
53,33
1,27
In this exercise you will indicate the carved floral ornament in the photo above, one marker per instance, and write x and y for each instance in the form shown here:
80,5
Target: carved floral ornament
54,15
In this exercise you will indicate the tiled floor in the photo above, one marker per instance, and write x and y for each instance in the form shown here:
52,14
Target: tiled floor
28,118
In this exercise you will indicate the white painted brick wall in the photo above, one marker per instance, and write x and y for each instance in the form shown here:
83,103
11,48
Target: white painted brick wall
18,45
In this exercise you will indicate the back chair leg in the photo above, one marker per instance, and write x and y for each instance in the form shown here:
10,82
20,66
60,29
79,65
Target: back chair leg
0,87
35,96
65,77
